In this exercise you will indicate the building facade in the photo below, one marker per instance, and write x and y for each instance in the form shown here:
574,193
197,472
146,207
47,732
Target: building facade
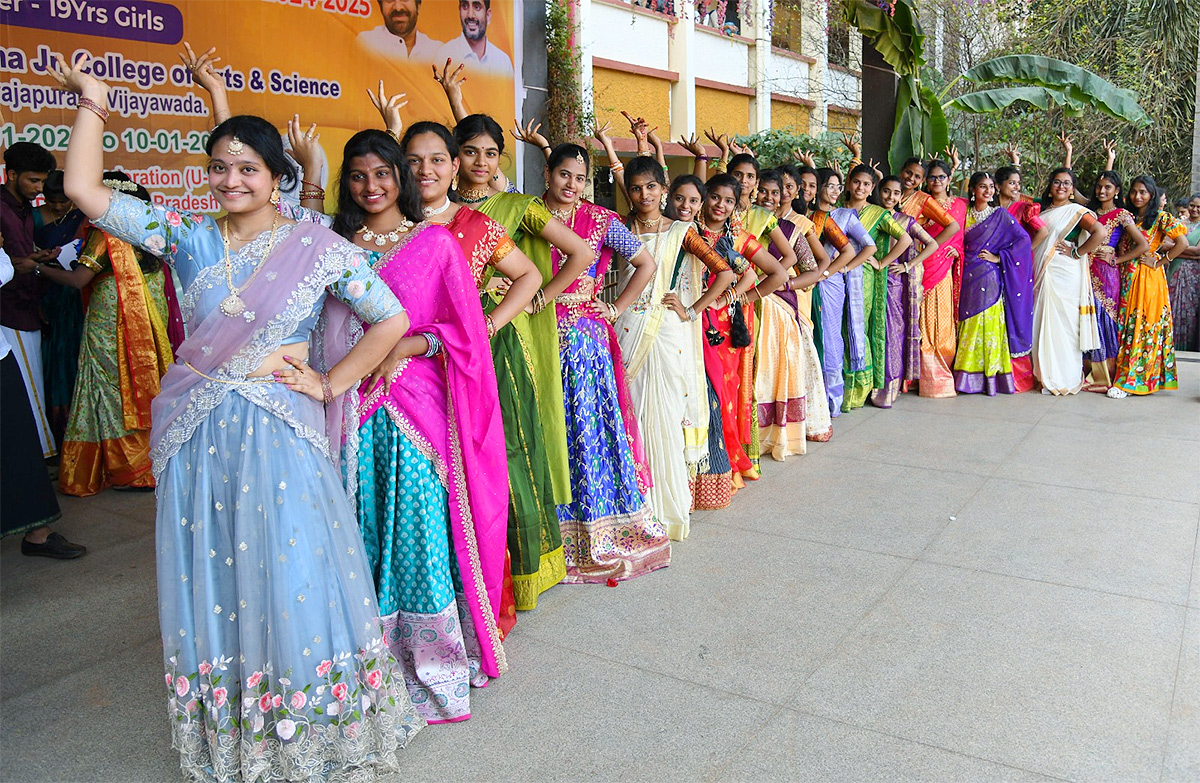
737,67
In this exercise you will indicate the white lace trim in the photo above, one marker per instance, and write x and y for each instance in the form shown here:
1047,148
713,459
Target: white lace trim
331,264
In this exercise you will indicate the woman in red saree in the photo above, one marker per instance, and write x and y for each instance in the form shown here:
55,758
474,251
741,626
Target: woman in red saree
725,347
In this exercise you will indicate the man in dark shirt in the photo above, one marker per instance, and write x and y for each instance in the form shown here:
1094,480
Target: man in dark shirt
25,167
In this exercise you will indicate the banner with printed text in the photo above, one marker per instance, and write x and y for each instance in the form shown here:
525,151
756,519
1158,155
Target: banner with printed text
315,58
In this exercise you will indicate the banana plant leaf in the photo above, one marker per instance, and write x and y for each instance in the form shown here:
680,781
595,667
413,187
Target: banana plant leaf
899,39
1081,87
984,101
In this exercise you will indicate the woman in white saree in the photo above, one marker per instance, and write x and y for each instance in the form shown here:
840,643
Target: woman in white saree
660,338
1064,311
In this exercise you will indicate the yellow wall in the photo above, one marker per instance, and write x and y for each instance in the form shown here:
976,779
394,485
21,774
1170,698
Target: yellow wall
729,112
793,116
839,122
641,96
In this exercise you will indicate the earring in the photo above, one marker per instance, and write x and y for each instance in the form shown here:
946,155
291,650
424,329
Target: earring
454,184
275,196
662,202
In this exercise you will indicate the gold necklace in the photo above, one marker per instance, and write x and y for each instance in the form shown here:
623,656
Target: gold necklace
381,239
233,305
566,216
656,224
473,195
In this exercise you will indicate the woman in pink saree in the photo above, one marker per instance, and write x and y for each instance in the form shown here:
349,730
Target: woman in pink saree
432,466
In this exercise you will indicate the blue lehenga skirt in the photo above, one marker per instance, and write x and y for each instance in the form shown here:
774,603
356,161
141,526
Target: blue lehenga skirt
403,511
608,530
276,668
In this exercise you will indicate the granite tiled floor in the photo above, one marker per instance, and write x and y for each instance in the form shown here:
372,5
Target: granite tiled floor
952,590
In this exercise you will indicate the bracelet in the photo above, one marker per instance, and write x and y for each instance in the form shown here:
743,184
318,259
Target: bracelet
491,325
326,389
435,345
89,104
312,185
612,313
37,271
825,273
312,194
546,147
691,313
539,301
395,136
616,167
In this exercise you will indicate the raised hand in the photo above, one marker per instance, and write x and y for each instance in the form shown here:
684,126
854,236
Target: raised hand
741,149
1068,145
1013,154
601,132
805,157
951,153
849,143
720,139
530,135
692,145
389,108
876,168
75,79
201,66
450,78
1110,153
306,147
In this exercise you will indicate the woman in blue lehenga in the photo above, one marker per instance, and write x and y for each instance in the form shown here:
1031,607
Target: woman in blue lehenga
275,663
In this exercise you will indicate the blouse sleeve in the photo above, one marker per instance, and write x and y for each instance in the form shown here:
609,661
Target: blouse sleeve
95,253
536,216
1032,217
1088,222
919,235
1170,225
693,244
891,227
621,239
833,234
303,214
858,233
748,246
155,229
935,213
361,289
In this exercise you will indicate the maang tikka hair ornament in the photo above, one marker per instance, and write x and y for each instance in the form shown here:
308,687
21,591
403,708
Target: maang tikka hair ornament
235,146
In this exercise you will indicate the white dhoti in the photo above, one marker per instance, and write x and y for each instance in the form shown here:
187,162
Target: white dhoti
27,348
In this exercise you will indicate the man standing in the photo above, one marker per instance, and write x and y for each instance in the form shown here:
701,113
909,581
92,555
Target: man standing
26,166
472,47
398,36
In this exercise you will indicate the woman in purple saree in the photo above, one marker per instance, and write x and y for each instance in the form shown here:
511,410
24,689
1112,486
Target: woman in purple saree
995,316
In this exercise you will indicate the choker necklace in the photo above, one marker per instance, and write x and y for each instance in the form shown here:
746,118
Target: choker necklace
566,215
981,215
650,225
473,195
233,305
431,211
393,236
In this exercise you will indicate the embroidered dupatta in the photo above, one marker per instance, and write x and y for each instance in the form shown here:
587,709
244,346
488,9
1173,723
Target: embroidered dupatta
938,265
310,258
448,407
591,222
1062,221
985,283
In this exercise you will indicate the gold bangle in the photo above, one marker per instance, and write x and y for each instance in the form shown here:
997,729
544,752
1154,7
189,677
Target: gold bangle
393,134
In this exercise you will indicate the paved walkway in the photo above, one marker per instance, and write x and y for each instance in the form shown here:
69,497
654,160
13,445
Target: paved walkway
959,590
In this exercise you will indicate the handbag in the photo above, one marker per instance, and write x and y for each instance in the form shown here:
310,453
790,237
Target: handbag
712,333
739,334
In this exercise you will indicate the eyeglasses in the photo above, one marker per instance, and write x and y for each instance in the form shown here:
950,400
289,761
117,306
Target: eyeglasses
1062,183
937,177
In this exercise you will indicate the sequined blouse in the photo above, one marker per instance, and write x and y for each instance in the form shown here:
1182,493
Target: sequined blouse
192,245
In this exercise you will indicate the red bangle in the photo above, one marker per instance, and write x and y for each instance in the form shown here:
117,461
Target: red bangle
90,105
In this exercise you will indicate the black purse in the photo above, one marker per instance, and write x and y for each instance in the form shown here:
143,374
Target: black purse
712,333
739,334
